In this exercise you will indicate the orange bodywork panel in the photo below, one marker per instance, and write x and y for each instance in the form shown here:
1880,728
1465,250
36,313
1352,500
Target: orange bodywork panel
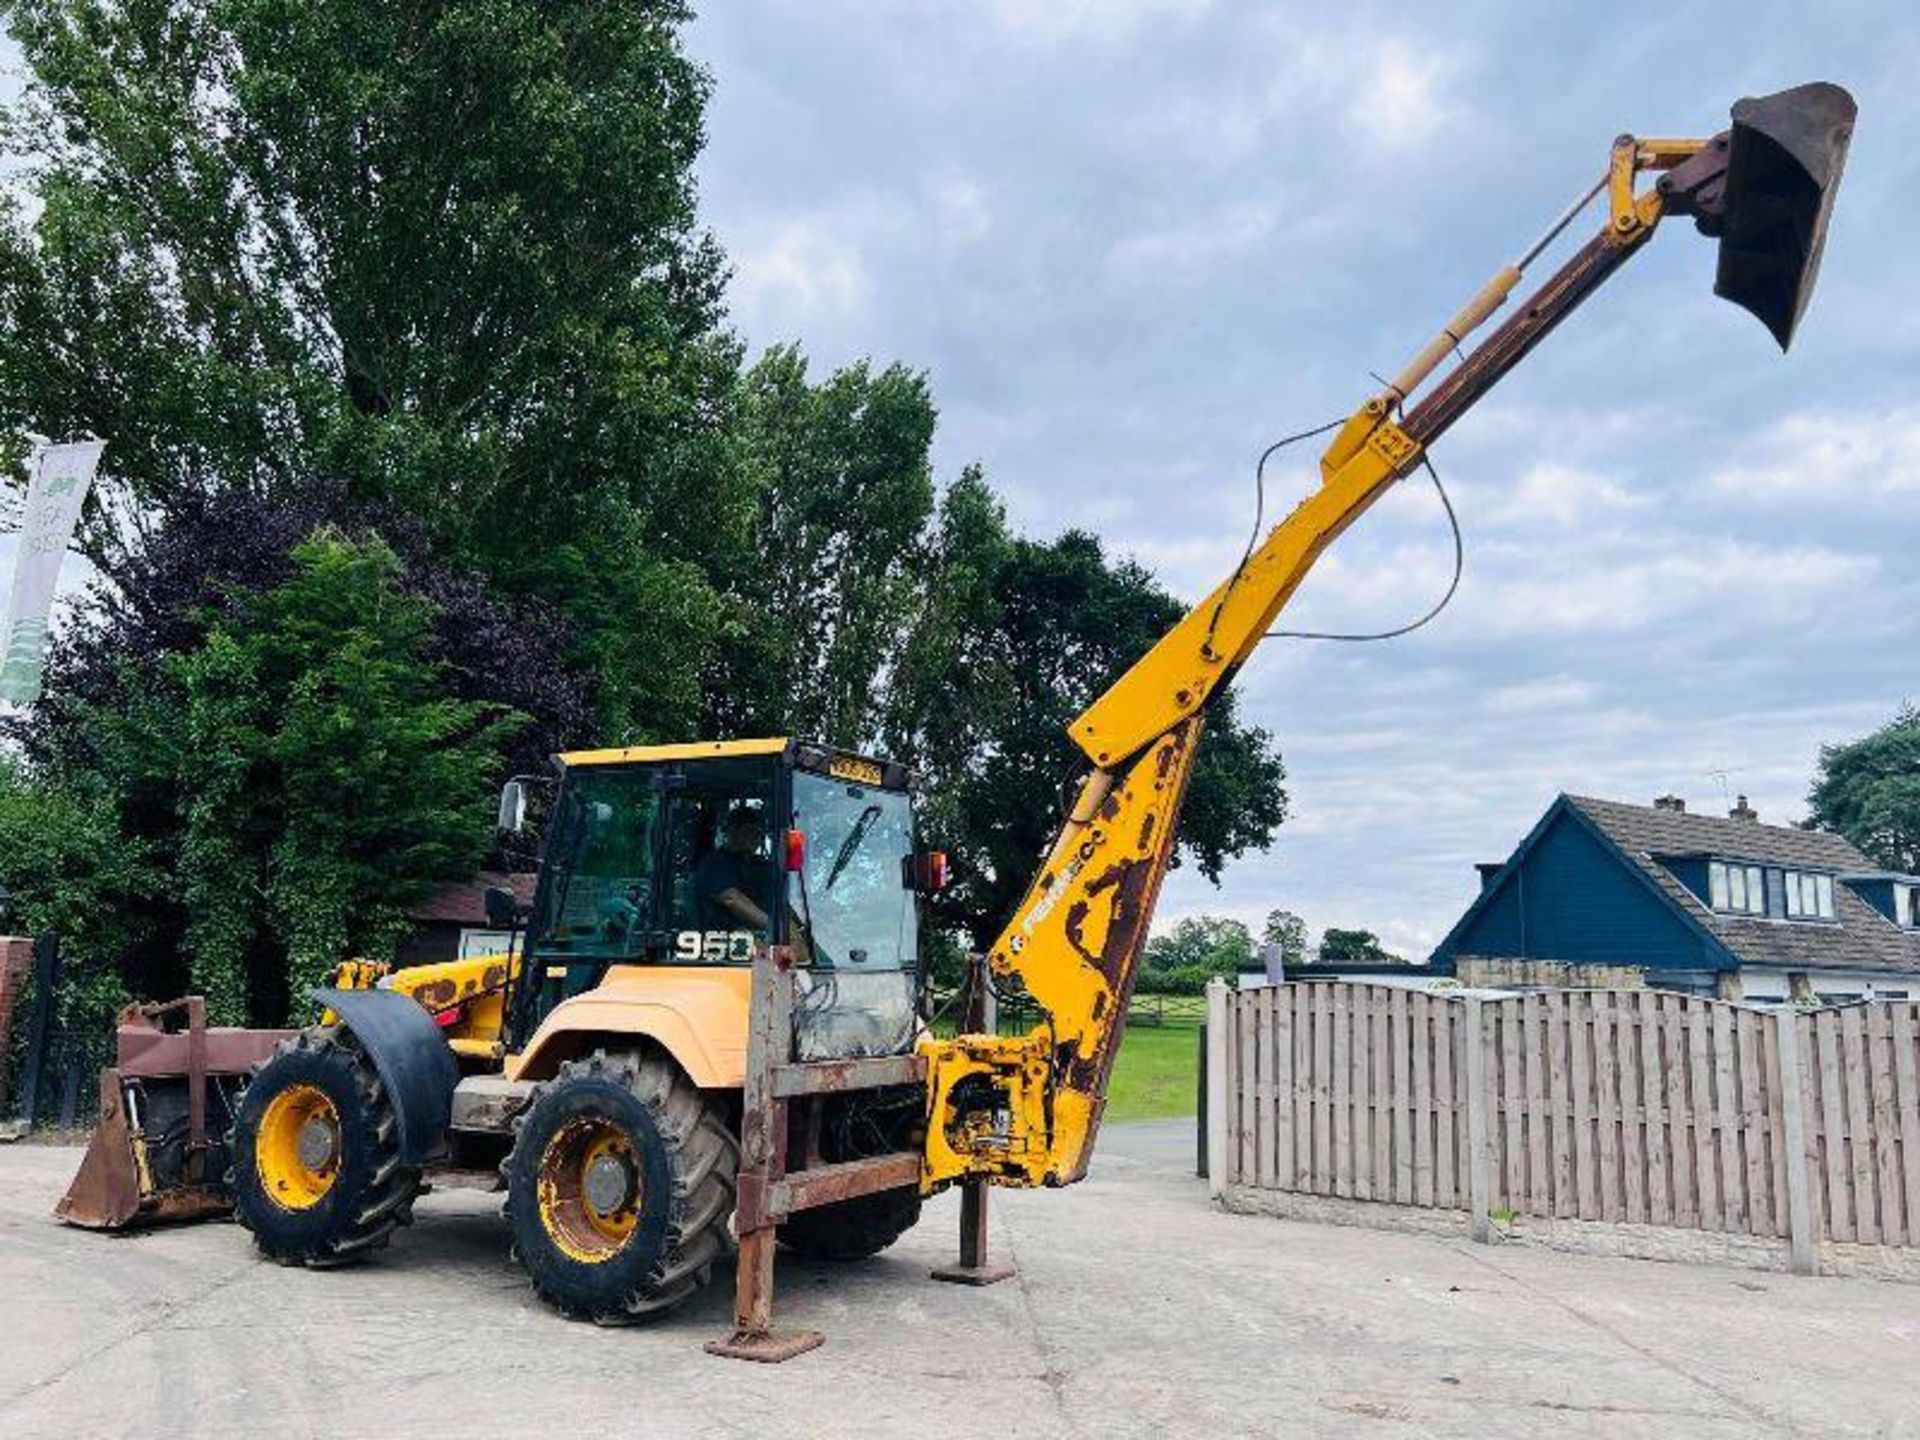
696,1013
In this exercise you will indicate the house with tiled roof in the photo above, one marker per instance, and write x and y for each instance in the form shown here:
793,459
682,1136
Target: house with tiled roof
1606,893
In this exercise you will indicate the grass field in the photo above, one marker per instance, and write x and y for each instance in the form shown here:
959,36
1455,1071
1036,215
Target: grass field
1155,1075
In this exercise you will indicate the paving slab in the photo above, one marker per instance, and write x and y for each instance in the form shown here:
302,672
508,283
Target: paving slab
1139,1310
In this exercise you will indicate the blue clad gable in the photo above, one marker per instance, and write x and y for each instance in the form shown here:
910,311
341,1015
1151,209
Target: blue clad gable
1569,894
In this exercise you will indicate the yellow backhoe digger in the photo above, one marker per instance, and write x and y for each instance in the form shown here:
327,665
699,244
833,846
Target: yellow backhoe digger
620,1073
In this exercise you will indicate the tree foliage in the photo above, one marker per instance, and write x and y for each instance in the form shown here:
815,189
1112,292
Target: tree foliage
68,869
282,786
210,559
325,775
1288,931
844,489
430,453
1015,638
1353,947
1869,791
1197,949
444,255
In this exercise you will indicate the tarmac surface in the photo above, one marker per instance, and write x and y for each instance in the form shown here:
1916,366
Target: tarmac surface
1138,1310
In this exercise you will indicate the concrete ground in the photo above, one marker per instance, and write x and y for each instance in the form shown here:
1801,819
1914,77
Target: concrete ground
1139,1310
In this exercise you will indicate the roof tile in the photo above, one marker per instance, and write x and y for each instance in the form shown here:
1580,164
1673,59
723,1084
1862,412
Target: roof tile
1858,938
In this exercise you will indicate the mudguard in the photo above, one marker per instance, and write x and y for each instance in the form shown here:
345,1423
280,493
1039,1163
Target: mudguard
412,1059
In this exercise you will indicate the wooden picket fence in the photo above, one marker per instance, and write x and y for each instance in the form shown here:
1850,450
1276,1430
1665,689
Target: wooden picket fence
1636,1107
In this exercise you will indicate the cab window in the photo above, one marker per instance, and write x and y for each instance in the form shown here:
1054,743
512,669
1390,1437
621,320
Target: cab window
720,855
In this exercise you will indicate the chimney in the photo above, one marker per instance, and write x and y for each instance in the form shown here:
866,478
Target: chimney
1670,802
1488,869
1742,811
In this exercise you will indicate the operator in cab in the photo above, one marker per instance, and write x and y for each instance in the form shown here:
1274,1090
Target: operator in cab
733,885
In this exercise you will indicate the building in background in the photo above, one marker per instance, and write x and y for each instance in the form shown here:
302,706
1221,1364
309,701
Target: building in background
1602,893
451,922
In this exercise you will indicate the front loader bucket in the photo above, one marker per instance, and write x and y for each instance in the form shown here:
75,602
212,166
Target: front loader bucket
105,1195
1785,153
117,1187
159,1152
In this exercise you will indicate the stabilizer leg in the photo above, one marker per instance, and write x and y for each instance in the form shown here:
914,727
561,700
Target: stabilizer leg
974,1267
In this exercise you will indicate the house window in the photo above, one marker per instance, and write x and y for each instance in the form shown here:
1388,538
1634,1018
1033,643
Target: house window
1809,897
1737,889
1906,905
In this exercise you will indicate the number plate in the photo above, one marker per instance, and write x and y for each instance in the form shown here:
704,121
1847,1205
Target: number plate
865,772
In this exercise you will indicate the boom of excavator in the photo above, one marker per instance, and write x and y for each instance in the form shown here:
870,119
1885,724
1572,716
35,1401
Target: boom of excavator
1764,188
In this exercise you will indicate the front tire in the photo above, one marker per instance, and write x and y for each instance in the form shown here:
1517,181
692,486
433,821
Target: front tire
620,1188
316,1170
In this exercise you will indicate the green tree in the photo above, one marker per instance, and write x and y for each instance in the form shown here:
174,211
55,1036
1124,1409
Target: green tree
844,489
68,869
1210,943
321,773
1013,640
1869,791
1354,947
446,254
1289,932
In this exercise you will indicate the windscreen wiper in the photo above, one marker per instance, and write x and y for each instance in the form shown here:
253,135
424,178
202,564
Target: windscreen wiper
852,843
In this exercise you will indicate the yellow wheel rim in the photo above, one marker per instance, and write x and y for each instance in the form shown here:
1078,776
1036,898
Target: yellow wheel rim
590,1189
296,1151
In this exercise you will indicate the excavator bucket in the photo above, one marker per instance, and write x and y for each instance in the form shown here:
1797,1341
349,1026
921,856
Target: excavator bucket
159,1150
1784,155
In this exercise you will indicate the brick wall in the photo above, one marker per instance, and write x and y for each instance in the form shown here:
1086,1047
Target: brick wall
16,968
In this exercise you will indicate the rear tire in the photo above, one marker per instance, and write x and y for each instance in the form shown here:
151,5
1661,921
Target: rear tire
348,1201
620,1188
855,1229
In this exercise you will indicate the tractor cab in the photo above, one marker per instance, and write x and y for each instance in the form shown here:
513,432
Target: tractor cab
693,856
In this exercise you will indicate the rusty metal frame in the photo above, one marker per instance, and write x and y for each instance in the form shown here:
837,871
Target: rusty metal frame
767,1192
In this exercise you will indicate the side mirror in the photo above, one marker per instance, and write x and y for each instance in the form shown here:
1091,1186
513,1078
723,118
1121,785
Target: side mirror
513,807
503,911
925,872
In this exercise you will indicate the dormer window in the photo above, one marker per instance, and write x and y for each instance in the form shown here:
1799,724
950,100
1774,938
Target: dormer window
1809,896
1737,889
1906,905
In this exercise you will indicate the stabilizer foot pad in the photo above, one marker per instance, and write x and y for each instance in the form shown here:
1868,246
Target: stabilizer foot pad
768,1347
975,1274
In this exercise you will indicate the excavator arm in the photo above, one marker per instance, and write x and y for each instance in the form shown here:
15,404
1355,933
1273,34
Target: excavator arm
1025,1109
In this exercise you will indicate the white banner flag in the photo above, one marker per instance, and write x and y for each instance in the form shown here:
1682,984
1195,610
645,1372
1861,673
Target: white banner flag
61,475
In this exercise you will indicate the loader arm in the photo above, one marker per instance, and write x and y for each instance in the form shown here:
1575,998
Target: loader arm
1024,1110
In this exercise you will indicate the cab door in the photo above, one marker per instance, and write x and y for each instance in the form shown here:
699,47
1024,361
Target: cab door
721,822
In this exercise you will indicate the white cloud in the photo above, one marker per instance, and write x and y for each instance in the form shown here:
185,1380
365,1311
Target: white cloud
797,269
1841,458
1554,692
1384,95
1398,104
1190,251
1551,493
961,208
1055,22
1615,590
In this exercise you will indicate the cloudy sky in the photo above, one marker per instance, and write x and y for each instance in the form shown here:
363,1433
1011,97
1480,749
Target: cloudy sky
1132,240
